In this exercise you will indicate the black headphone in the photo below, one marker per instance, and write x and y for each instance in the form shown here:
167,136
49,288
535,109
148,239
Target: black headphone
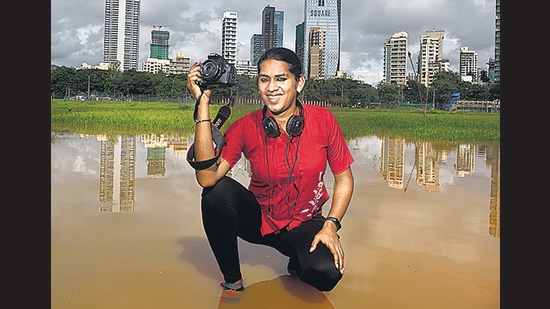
294,125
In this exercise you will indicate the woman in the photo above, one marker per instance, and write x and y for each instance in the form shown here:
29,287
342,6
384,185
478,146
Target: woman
288,145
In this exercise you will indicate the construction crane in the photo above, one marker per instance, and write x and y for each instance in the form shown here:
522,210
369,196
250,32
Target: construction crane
160,26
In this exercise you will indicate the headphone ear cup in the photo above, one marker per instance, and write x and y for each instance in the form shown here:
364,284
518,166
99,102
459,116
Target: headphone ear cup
295,125
270,127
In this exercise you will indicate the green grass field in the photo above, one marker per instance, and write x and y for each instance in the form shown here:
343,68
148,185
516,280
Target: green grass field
129,118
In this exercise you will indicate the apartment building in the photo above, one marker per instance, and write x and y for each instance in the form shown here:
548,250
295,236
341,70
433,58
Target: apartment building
121,33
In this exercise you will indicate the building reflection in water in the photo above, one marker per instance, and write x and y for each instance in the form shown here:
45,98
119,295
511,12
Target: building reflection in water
118,166
465,160
156,154
118,160
427,160
393,162
117,172
427,163
493,159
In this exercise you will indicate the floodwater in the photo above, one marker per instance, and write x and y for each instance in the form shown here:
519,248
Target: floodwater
422,230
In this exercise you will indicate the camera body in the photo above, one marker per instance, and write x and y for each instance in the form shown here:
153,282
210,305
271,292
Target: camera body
216,72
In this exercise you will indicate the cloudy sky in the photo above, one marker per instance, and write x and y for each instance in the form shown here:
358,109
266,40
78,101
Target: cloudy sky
195,29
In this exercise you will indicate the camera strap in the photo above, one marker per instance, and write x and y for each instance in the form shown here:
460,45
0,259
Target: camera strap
217,137
219,142
221,116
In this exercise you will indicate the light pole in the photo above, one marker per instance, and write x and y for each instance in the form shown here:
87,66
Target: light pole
88,87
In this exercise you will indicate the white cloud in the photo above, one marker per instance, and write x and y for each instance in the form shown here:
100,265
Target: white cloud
195,29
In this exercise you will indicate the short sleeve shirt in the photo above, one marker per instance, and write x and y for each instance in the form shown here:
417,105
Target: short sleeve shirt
287,172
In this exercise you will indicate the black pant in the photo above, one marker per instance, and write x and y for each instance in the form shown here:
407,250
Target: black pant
229,210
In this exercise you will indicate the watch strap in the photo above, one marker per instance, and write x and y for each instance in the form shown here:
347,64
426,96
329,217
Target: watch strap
335,221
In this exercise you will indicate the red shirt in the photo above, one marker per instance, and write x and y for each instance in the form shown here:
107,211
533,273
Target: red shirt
290,187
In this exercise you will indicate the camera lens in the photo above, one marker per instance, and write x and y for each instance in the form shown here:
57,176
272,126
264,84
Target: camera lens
209,70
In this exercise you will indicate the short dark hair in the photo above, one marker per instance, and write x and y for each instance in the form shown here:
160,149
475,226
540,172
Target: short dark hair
286,55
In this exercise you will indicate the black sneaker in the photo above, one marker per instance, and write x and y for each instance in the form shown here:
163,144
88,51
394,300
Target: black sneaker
237,286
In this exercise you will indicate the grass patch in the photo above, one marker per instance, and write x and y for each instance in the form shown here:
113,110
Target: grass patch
132,118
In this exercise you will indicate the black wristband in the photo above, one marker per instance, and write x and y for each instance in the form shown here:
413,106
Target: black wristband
196,110
335,221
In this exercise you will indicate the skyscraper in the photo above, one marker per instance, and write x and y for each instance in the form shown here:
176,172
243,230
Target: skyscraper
160,41
229,36
317,37
121,36
299,41
279,28
430,57
267,27
497,41
255,48
272,28
323,16
395,58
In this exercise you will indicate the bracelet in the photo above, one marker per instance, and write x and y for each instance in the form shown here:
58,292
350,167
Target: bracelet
203,120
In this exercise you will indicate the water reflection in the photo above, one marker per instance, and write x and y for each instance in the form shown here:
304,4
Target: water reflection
424,224
117,166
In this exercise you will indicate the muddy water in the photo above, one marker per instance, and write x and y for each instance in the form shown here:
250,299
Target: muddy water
422,230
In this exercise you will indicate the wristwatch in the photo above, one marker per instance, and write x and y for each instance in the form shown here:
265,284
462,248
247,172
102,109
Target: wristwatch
335,221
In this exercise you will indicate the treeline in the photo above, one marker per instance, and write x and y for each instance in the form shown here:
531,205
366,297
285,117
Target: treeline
113,84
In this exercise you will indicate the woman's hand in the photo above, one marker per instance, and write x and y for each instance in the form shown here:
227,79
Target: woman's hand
327,235
193,79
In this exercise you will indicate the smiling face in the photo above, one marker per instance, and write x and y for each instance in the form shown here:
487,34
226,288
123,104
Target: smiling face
279,87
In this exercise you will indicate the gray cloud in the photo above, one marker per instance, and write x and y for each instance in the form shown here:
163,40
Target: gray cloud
195,28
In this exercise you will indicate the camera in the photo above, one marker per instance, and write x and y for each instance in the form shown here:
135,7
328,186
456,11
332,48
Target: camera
216,72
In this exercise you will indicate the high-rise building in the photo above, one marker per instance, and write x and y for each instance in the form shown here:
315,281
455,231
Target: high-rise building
325,15
317,45
279,28
395,58
430,56
255,48
491,70
497,42
268,25
299,41
121,36
272,28
468,65
229,36
160,41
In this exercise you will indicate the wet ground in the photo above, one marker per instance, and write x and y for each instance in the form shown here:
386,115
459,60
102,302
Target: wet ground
422,230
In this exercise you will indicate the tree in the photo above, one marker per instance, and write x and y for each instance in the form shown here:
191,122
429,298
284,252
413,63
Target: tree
111,83
414,92
67,82
445,83
62,82
483,76
388,94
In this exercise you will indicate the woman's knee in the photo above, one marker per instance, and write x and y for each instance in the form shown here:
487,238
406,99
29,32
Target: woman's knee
323,276
220,191
215,197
